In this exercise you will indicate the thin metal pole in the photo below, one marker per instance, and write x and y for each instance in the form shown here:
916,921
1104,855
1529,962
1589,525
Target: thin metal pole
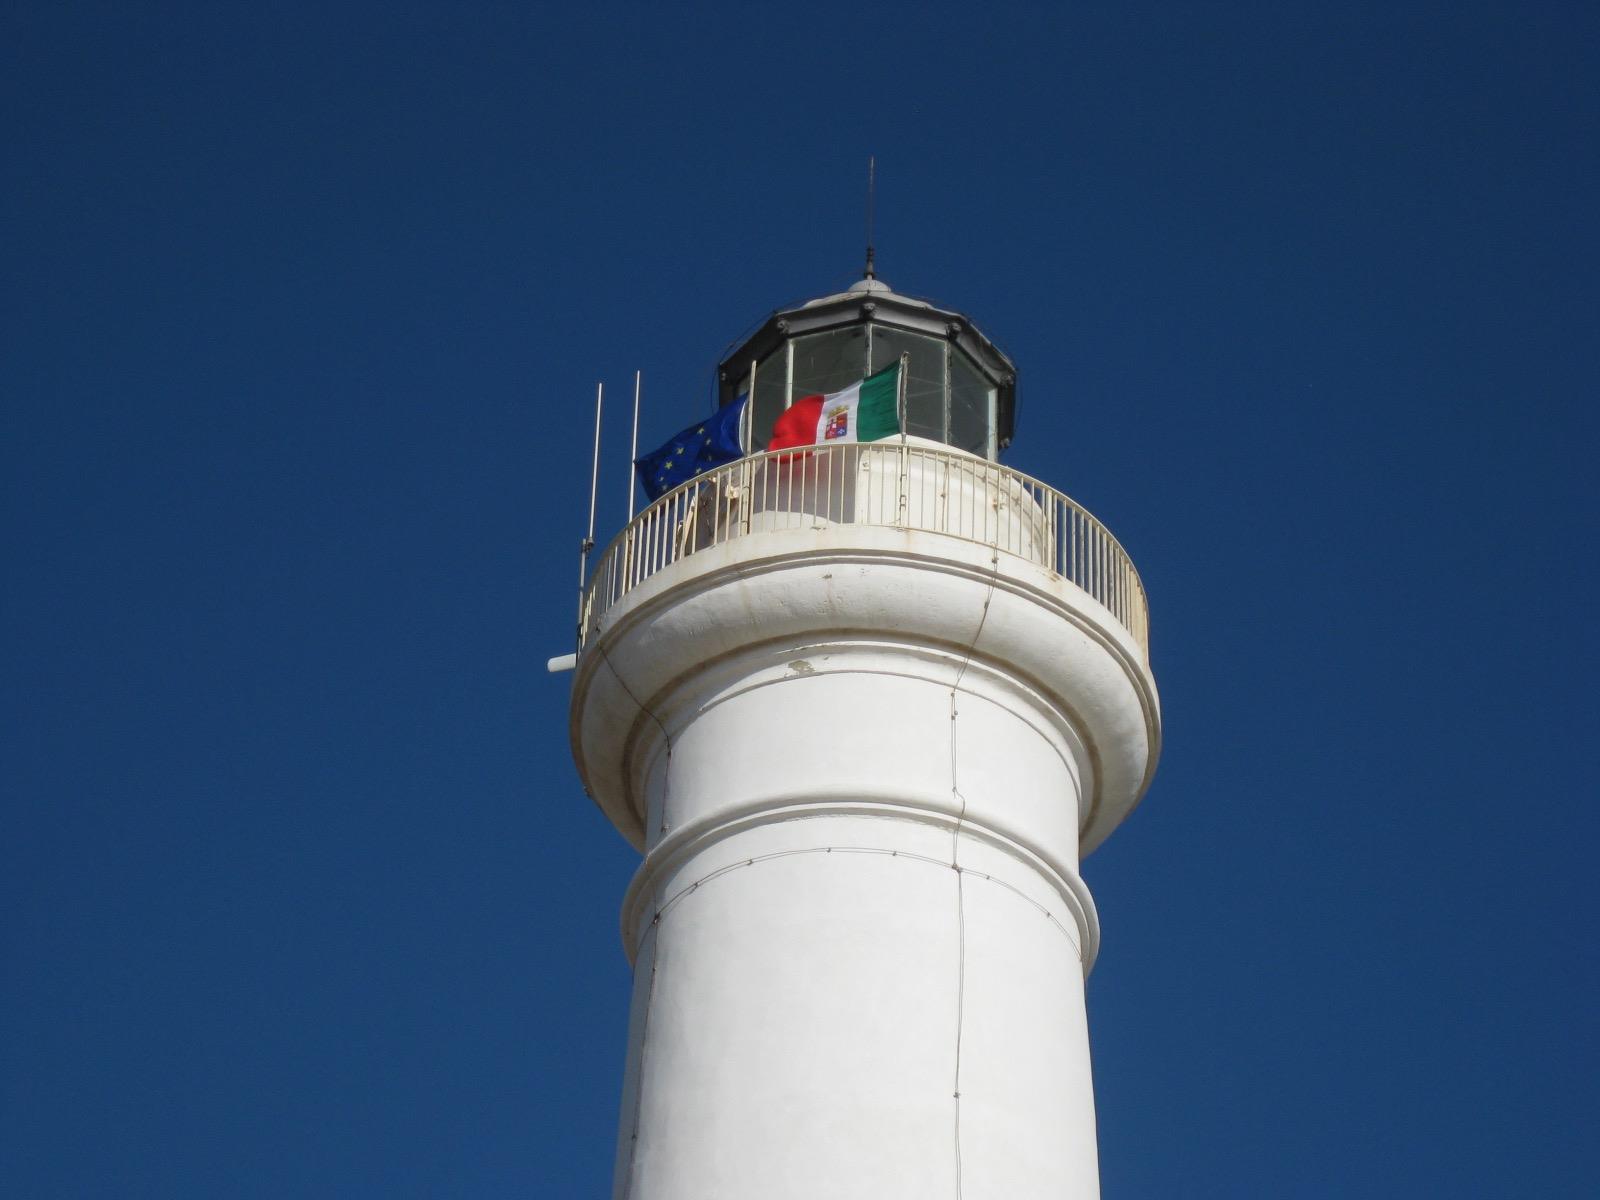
747,423
900,408
594,486
633,454
872,189
900,399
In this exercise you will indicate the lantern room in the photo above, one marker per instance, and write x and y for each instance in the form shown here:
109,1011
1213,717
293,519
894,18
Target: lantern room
960,388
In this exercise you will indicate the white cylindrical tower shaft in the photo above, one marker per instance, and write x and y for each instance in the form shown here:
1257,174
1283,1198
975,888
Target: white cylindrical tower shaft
862,758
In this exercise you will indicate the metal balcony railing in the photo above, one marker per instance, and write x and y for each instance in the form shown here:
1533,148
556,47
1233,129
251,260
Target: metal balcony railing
873,483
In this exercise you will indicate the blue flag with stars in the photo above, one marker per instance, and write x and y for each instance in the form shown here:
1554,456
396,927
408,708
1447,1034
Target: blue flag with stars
698,448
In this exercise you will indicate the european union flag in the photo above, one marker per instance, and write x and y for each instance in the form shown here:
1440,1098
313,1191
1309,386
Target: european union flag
698,448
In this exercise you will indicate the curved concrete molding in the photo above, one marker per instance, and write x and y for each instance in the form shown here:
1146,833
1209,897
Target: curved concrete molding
811,591
1068,890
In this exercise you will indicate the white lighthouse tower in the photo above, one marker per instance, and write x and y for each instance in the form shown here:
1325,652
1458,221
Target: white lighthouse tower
863,709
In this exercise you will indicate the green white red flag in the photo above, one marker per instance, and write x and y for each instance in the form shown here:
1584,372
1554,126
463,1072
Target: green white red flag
864,412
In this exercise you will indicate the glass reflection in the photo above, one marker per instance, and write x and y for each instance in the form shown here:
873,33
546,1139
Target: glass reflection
971,405
829,362
925,382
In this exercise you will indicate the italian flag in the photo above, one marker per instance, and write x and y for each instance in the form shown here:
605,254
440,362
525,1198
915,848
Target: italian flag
863,412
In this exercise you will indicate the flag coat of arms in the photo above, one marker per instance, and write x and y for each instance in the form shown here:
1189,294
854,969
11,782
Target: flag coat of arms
863,412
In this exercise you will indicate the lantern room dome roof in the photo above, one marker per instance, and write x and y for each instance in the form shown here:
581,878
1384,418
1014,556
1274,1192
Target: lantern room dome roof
869,284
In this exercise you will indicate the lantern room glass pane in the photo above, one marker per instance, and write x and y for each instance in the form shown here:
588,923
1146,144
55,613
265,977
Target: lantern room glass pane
830,361
971,403
771,398
925,378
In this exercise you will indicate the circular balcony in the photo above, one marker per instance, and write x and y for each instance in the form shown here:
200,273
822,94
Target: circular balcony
915,484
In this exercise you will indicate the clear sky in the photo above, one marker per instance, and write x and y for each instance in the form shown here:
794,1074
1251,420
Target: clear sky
304,309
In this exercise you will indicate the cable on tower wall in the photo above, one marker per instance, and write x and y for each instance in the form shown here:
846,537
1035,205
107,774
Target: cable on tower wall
955,858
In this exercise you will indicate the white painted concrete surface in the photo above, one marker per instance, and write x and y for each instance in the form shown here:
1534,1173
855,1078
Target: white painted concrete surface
861,763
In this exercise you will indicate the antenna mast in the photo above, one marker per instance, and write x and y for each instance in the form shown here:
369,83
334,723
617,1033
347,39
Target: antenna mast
872,187
633,454
594,487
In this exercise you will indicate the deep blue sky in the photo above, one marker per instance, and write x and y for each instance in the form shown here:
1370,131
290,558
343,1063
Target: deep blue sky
305,306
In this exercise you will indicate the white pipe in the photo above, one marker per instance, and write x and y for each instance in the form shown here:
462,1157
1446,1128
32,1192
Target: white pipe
633,454
594,484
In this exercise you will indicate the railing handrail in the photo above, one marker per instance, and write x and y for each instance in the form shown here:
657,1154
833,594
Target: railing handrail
953,492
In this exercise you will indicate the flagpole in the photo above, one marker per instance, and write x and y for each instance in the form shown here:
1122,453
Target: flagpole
900,400
634,452
900,404
747,426
594,487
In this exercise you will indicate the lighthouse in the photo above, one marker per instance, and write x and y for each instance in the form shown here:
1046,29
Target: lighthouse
862,705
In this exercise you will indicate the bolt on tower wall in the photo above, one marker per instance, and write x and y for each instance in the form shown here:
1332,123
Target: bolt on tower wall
863,709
